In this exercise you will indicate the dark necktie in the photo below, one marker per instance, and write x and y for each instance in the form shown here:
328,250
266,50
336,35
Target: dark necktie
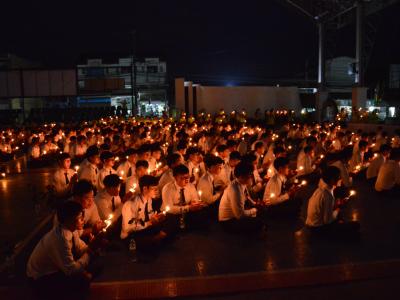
146,212
260,161
113,204
129,174
73,249
66,178
95,170
110,172
214,190
182,200
232,177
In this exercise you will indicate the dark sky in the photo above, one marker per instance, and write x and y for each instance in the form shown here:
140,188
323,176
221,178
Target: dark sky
209,41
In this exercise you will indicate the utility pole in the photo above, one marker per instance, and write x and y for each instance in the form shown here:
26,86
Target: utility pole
134,102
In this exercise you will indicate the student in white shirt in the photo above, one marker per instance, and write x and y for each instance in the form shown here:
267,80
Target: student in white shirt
132,182
357,160
154,160
173,160
232,214
234,160
59,264
259,153
183,200
140,220
194,164
389,174
64,178
278,195
108,160
83,193
377,161
109,202
305,164
208,192
323,209
127,168
340,161
88,168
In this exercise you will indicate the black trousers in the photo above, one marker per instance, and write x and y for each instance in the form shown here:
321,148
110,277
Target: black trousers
243,226
290,208
337,230
194,220
148,238
60,286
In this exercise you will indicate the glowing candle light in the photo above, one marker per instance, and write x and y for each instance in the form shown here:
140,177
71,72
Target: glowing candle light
148,171
167,209
200,192
303,183
117,158
352,193
272,195
321,156
76,169
3,175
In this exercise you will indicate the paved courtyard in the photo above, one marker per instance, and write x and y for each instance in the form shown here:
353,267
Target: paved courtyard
213,262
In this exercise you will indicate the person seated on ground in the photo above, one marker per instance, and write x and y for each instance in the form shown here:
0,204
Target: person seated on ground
208,192
64,178
154,160
305,164
340,160
88,168
132,182
356,162
234,160
127,168
194,164
139,219
389,173
222,151
34,149
108,160
323,210
377,161
259,150
181,149
183,200
173,160
278,196
59,264
279,151
257,187
232,214
48,147
80,147
109,202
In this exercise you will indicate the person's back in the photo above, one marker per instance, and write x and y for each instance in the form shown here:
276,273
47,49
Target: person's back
388,176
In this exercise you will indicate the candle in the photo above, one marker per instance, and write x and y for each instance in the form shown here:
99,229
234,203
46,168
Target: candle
196,170
148,171
133,188
108,222
352,193
166,210
321,156
117,158
303,183
272,195
3,175
200,192
76,169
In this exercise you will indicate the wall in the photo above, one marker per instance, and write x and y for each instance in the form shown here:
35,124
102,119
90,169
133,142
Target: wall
212,99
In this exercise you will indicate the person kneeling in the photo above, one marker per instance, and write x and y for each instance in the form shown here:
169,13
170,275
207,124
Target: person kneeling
183,201
139,220
323,210
232,214
59,264
278,196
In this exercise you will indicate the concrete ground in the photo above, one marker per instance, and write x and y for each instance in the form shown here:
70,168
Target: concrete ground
216,265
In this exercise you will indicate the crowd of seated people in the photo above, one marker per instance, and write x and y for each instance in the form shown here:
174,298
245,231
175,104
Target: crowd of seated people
148,179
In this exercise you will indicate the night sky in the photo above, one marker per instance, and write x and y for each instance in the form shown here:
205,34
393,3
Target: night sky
221,42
